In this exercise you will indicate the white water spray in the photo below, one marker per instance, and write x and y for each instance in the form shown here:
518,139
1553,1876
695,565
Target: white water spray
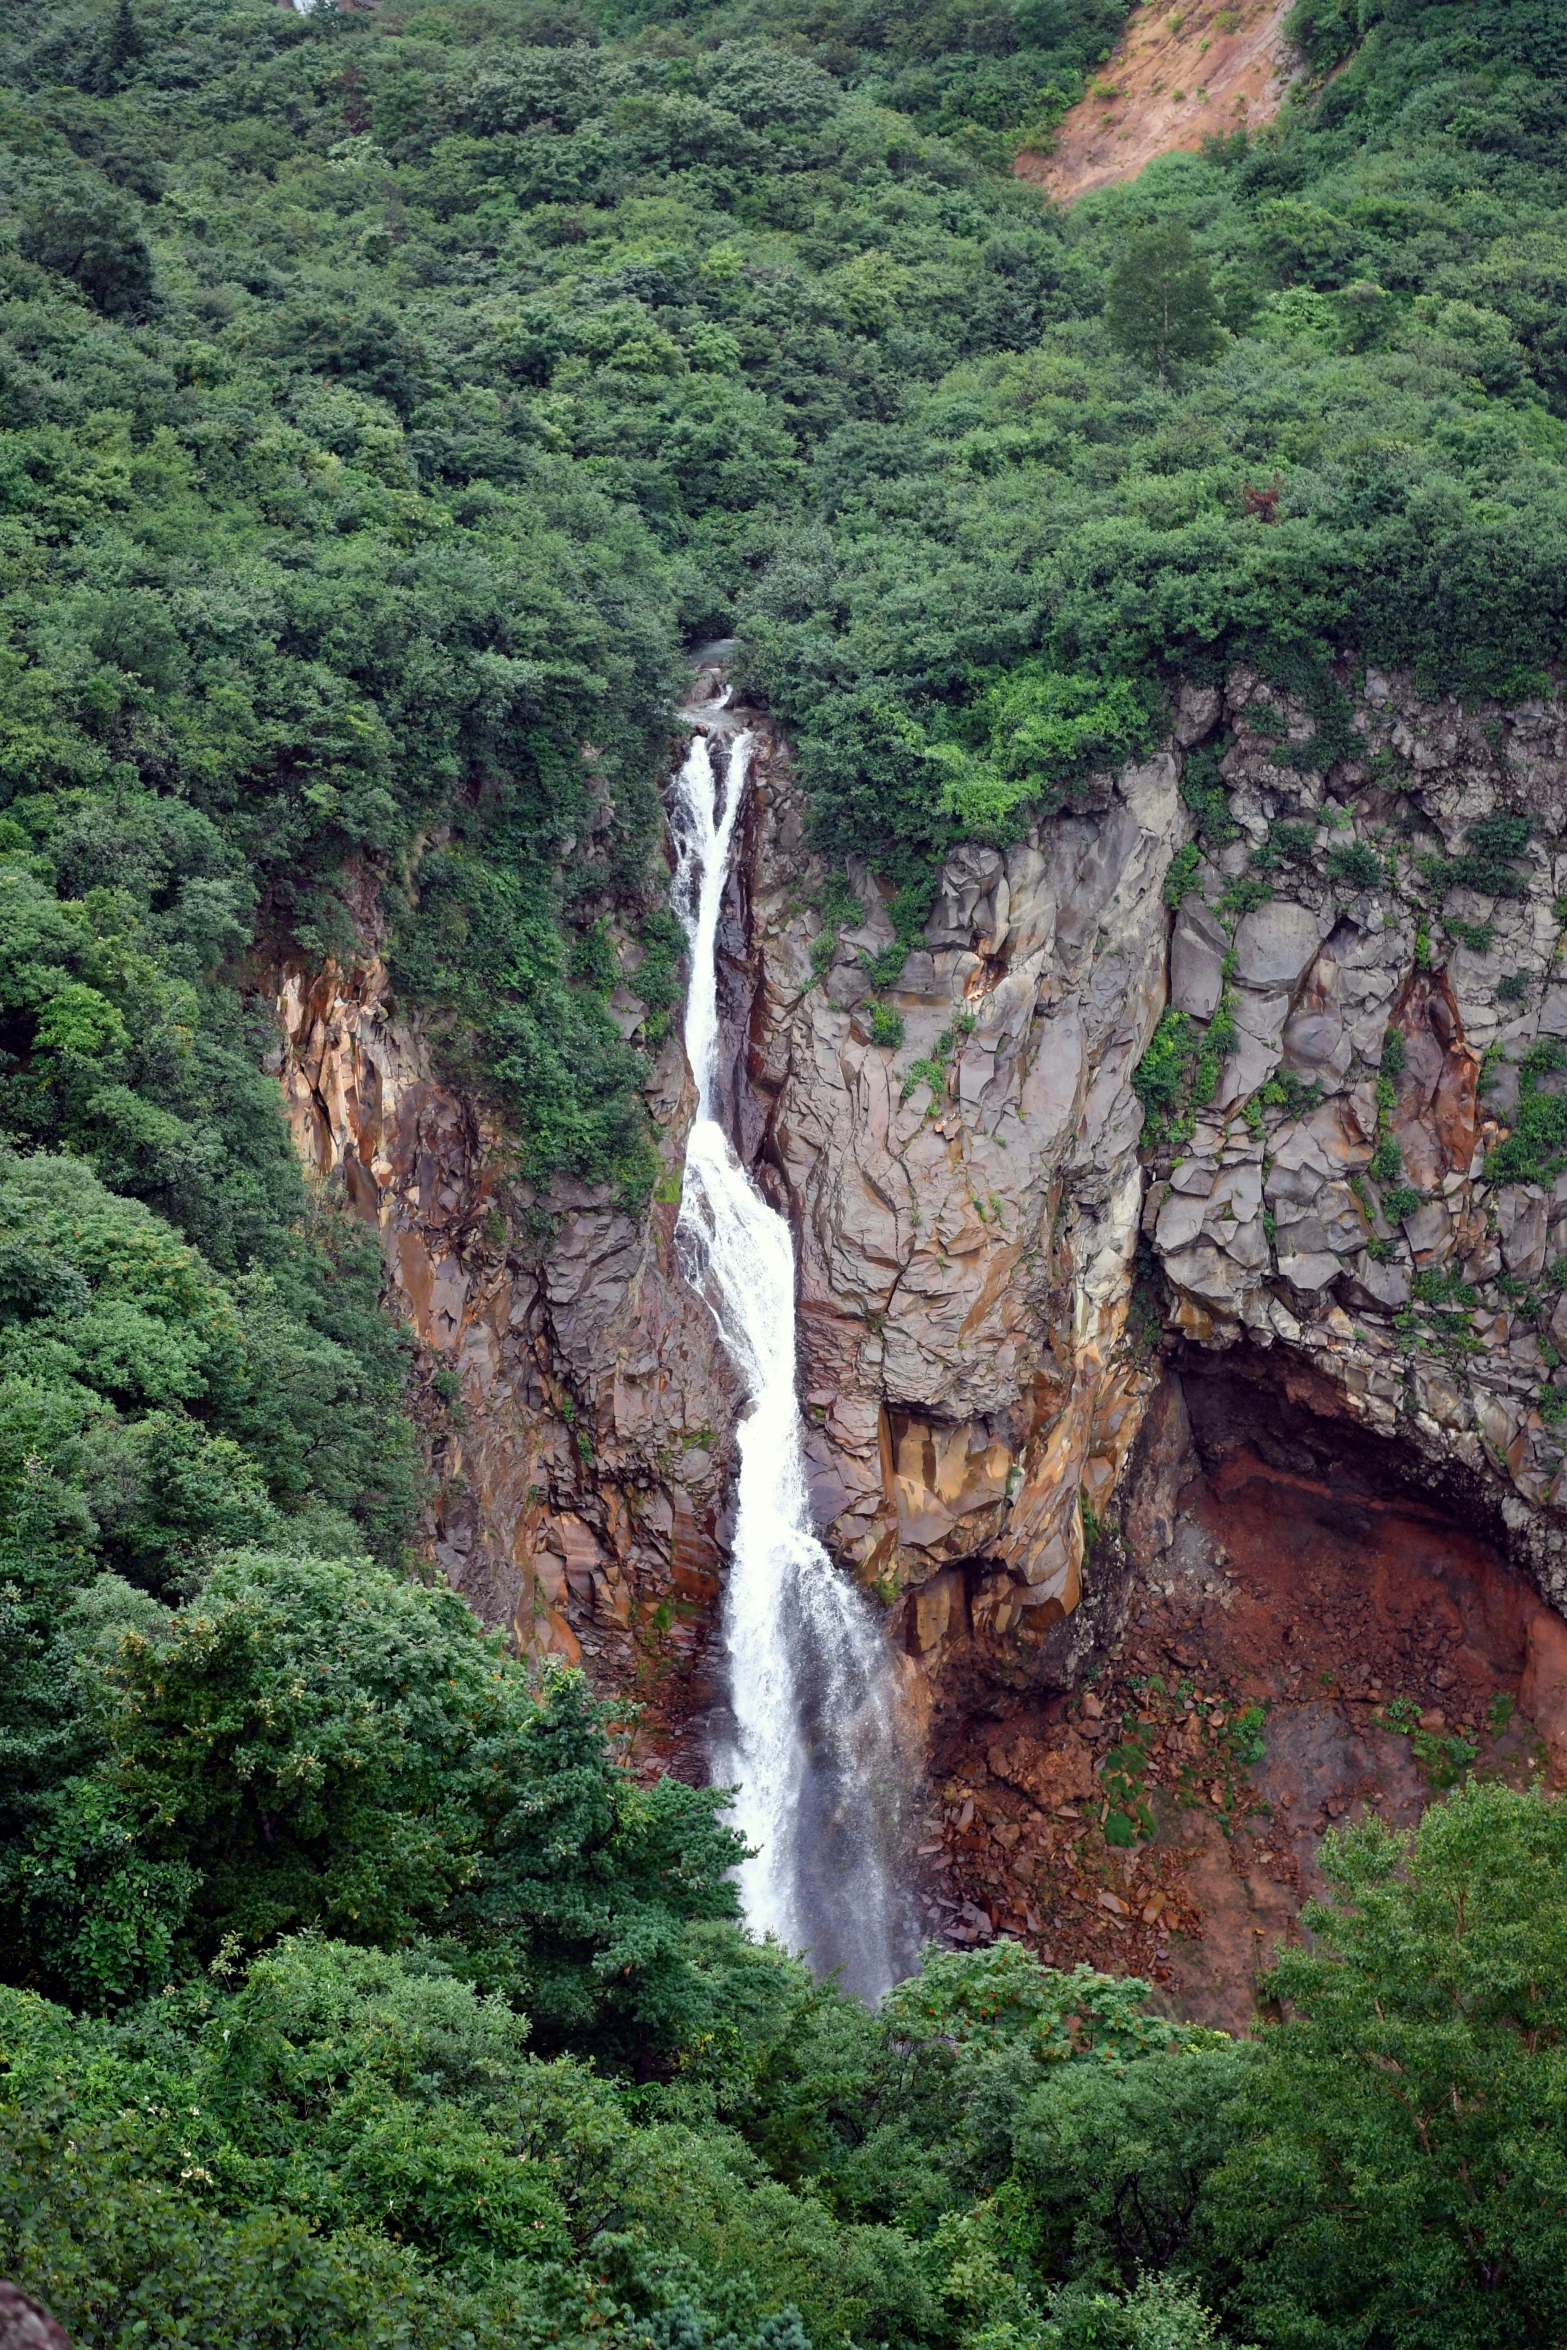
815,1744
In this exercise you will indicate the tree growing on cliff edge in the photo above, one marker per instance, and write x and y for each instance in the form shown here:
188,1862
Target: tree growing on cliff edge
1162,309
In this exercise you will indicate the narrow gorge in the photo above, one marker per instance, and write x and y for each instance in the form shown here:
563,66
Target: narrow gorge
1192,1435
783,1175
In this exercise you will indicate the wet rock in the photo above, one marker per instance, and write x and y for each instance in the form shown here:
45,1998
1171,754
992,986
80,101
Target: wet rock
1165,1461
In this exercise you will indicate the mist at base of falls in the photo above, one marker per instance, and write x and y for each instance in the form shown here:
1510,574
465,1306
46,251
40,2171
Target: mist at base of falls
815,1740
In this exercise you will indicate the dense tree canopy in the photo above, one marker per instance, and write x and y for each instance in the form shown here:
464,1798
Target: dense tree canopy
386,398
388,394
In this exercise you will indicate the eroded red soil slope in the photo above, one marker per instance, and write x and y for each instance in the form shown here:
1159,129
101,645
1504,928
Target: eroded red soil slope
1177,75
1300,1651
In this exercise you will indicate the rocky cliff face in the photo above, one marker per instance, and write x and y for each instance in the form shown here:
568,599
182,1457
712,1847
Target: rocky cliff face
1323,940
965,1207
577,1408
966,1204
1348,1192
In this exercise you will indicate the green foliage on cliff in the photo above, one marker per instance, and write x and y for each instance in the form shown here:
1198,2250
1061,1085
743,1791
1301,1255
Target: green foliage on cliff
387,394
385,398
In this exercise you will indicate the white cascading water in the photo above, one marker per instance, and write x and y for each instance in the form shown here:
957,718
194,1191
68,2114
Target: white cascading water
815,1744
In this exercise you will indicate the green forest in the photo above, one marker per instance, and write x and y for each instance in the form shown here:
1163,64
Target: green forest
388,401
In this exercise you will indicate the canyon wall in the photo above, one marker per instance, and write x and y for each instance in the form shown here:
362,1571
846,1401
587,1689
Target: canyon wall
996,1254
577,1410
965,1208
1398,1008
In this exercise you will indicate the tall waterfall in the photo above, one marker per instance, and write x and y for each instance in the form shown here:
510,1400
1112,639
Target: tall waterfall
815,1740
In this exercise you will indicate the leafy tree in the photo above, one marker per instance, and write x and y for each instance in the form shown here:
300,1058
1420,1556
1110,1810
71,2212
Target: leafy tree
314,1743
96,240
155,1413
304,1743
592,1881
1161,307
1404,2158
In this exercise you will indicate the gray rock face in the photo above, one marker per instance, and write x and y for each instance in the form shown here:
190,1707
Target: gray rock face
964,1244
1363,996
1274,945
1197,951
966,1207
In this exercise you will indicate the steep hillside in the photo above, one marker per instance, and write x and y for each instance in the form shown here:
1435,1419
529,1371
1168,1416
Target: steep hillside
1174,78
1127,1035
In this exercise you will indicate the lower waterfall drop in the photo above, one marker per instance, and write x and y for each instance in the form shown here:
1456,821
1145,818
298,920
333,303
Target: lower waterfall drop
816,1743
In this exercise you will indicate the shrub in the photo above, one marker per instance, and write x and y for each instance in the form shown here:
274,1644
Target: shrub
1355,864
1161,1076
1182,877
1489,862
1536,1149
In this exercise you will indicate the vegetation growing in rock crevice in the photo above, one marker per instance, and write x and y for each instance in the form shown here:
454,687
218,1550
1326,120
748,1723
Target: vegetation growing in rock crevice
387,395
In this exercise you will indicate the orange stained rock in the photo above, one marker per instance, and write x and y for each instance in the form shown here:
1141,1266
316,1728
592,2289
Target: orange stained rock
1176,77
1542,1693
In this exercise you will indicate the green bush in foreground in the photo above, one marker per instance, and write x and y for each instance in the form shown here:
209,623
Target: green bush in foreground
312,2138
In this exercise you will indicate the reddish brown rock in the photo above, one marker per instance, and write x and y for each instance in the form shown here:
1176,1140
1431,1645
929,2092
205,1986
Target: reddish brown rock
1057,1772
1542,1693
1437,1119
26,2325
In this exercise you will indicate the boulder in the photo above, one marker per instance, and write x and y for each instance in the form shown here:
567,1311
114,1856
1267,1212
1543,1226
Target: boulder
1197,952
1429,1232
1197,714
1521,1222
1210,1275
1275,944
1180,1221
1386,1286
1251,1064
1310,1273
25,2325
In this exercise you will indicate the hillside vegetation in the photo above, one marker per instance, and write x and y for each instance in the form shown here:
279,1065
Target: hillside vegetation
386,401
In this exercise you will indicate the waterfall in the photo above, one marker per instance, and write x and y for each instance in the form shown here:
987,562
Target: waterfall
815,1742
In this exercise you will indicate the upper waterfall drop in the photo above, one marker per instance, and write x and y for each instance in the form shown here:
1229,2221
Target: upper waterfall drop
815,1744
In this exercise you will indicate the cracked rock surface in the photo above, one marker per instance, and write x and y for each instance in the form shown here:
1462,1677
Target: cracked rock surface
1374,1181
1353,1180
